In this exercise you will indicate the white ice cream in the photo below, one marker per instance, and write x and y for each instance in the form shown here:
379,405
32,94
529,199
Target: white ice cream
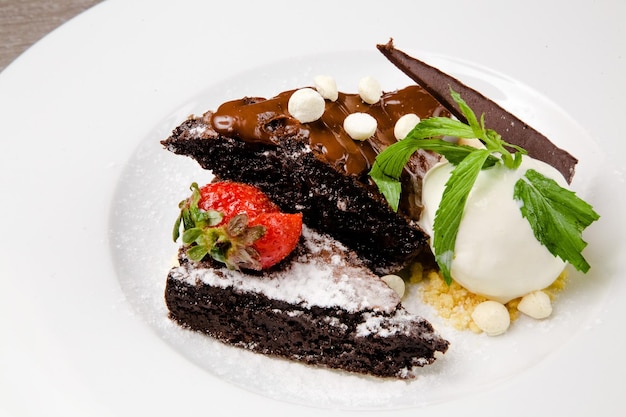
496,253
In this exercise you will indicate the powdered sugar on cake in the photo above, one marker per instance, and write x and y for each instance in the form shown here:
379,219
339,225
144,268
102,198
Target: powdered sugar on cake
320,276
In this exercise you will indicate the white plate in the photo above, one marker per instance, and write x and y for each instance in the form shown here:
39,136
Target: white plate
89,196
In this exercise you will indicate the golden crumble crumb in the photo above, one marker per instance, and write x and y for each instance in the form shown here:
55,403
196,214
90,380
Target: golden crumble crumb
456,304
558,285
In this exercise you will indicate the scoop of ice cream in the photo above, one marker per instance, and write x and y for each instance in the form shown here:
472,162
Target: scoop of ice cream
496,253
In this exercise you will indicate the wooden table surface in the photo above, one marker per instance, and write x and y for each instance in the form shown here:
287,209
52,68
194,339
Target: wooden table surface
24,22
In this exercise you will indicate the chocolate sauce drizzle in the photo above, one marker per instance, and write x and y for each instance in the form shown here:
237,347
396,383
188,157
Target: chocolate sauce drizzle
267,121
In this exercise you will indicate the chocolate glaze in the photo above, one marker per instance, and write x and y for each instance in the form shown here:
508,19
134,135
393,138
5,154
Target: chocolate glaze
316,169
512,129
267,121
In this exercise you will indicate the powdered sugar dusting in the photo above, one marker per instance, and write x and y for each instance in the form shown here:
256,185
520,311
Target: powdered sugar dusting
322,276
385,326
198,130
154,181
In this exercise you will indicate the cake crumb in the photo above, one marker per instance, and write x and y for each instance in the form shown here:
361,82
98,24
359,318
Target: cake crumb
455,304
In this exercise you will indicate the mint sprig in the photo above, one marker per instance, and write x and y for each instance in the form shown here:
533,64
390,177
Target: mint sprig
389,164
556,216
450,212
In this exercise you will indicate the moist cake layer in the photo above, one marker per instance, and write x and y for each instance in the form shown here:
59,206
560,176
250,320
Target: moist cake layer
321,307
317,169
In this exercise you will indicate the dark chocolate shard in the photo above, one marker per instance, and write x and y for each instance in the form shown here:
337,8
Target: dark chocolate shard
512,129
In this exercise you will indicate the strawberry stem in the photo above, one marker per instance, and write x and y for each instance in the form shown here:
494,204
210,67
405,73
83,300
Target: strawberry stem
230,244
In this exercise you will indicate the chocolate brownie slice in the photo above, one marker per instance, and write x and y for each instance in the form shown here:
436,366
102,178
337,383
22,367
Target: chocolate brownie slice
317,169
319,307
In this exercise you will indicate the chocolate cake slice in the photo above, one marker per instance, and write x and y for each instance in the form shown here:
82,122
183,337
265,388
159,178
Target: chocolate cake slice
321,306
317,169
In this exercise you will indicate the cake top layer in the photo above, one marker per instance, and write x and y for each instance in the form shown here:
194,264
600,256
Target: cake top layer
266,121
324,274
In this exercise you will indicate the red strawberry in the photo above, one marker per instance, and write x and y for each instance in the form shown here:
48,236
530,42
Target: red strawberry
236,224
232,198
282,232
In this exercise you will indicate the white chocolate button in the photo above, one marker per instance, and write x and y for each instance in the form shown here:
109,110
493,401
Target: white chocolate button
369,90
404,125
536,305
491,317
360,126
306,105
327,87
395,283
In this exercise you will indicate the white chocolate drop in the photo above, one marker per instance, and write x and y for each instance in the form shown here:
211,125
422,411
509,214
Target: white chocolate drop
395,283
537,305
404,125
491,317
369,90
327,87
360,126
306,105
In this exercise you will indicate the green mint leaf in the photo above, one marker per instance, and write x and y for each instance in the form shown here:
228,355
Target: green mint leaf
478,129
388,185
452,152
441,126
556,215
450,211
492,140
389,164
